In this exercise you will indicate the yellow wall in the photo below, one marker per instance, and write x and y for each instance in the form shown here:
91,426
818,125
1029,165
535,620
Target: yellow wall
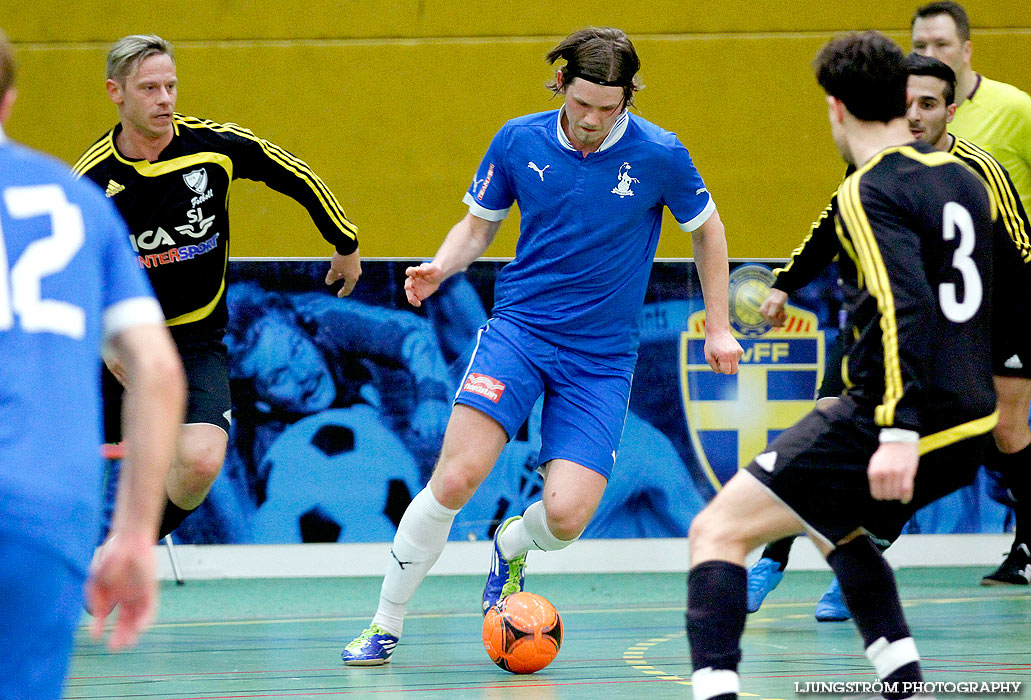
393,104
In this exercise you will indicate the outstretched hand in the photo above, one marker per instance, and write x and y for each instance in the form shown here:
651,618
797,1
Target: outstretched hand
422,281
123,576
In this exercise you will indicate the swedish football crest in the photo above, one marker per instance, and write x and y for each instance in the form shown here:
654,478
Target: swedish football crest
731,418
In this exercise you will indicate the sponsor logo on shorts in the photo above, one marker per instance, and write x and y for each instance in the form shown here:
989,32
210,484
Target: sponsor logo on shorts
486,182
487,387
1013,363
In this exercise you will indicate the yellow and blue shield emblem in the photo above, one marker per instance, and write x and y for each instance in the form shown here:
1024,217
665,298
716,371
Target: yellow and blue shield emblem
731,418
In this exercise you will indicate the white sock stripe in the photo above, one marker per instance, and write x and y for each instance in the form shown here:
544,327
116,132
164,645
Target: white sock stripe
889,657
709,683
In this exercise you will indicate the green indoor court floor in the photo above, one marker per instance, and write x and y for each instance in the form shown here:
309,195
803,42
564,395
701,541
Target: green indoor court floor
624,638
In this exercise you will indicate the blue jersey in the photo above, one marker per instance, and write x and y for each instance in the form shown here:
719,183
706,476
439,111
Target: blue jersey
589,225
67,280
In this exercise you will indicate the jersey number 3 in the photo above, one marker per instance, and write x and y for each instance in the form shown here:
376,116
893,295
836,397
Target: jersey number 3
956,219
20,283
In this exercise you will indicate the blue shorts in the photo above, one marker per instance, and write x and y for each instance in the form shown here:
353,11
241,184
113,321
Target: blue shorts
40,605
585,396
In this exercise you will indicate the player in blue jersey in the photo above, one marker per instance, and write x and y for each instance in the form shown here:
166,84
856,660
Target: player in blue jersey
68,282
591,180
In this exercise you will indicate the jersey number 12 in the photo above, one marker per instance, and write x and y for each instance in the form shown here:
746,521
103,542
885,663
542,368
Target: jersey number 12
20,283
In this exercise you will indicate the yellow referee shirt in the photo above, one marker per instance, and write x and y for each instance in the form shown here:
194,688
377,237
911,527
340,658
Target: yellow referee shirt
997,117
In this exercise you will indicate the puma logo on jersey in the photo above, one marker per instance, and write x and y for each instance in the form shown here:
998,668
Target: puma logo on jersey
767,460
539,171
1013,363
113,188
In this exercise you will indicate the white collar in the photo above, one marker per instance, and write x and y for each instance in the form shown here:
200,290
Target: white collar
3,136
615,134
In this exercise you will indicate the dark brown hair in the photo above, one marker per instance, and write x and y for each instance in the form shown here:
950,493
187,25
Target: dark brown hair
8,67
601,55
867,72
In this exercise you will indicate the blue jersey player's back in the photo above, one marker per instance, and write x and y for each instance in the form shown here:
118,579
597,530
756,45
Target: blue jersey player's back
68,284
64,264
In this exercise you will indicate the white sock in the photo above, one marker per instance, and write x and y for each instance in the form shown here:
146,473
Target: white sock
530,532
420,539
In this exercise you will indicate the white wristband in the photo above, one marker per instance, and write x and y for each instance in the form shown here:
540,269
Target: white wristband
899,435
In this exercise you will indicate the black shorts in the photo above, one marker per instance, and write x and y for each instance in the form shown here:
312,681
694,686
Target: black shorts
819,472
206,363
1011,306
1011,350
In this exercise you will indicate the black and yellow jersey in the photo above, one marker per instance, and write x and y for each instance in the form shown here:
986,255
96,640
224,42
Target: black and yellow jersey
916,227
177,209
1011,209
815,252
820,246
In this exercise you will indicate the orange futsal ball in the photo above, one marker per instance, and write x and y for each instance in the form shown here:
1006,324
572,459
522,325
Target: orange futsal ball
522,633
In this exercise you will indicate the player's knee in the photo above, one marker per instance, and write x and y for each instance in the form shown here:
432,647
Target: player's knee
454,483
704,528
1011,435
201,465
568,518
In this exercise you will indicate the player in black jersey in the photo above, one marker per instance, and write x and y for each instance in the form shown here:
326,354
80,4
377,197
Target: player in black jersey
916,227
170,175
931,92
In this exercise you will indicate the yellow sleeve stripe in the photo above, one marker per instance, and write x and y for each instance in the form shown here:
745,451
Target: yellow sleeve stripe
851,208
96,153
291,163
801,247
991,172
850,251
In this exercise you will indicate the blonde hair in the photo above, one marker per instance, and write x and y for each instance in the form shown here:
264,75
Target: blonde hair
127,53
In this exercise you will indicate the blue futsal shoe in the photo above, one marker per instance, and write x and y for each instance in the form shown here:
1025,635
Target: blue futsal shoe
505,576
373,647
763,577
831,607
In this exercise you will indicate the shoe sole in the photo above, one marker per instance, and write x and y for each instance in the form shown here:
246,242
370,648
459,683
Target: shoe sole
366,662
833,619
995,582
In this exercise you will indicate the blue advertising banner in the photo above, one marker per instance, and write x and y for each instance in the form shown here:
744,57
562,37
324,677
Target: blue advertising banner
340,406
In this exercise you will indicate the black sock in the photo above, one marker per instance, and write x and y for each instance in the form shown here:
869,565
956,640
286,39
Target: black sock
716,599
174,515
868,585
1016,475
779,551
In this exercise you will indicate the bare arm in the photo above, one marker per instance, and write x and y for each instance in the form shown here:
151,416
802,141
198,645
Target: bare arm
152,412
465,242
722,351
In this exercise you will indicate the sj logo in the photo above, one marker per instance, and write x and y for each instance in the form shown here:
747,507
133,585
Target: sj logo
731,418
